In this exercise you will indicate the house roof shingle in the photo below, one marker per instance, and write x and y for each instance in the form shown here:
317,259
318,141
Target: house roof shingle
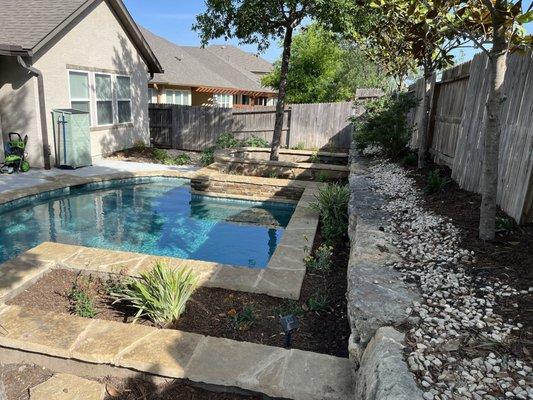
200,67
26,23
29,24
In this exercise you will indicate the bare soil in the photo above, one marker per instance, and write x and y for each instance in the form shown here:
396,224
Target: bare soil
508,258
213,312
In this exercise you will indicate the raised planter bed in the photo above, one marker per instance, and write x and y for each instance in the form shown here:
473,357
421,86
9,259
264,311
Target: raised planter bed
292,164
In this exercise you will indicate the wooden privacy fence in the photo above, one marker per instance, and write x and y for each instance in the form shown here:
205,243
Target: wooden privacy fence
457,122
197,128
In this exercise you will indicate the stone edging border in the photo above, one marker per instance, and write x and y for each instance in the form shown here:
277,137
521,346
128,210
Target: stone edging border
377,299
47,336
283,276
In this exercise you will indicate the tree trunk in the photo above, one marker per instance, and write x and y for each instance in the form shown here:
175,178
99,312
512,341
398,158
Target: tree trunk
491,140
280,106
423,129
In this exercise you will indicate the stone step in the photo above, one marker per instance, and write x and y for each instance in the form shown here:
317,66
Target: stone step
274,371
68,387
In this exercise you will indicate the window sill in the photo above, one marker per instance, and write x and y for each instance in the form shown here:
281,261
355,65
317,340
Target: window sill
111,126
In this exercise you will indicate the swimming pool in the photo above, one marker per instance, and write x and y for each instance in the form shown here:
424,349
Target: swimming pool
158,217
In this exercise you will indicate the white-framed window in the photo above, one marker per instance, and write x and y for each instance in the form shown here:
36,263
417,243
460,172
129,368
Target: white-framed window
80,98
104,99
181,97
223,100
123,98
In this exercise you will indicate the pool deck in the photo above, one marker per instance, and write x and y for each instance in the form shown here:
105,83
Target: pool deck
85,347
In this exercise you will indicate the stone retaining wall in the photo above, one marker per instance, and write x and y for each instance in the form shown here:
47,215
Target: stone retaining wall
377,298
293,164
247,187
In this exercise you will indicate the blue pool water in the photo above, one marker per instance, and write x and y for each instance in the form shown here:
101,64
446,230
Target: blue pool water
159,218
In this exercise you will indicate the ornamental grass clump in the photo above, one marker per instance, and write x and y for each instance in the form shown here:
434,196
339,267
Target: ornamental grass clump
332,205
160,294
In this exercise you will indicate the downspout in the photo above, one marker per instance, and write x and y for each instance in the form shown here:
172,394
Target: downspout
42,109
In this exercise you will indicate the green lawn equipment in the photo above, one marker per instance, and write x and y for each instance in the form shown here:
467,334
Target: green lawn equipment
15,154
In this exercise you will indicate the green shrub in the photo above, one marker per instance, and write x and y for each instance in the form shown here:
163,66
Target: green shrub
244,320
160,294
207,157
435,182
384,124
139,145
255,141
332,205
160,155
321,261
226,140
504,224
322,177
318,301
314,158
82,305
181,159
410,159
299,146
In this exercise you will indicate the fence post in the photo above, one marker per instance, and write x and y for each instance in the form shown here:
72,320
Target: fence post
288,134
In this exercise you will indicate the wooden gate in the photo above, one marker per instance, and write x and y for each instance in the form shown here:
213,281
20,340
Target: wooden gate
161,131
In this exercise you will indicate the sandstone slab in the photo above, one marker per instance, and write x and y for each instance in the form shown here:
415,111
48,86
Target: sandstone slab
68,387
164,352
102,341
34,330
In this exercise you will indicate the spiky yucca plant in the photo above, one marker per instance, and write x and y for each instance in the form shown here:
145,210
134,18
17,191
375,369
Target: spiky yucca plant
160,294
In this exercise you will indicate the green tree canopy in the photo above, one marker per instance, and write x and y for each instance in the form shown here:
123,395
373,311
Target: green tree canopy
325,68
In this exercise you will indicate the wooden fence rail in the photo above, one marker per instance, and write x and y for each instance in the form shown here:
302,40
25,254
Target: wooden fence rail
197,128
458,117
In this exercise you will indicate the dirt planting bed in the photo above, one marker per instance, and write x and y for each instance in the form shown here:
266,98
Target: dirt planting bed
225,313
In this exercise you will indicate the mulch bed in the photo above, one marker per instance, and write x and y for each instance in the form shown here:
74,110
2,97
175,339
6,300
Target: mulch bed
146,155
210,310
508,258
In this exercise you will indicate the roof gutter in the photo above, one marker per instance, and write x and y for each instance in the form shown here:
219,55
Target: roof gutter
42,108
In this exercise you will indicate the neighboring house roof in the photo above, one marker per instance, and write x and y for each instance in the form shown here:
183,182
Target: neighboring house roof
242,59
204,67
28,25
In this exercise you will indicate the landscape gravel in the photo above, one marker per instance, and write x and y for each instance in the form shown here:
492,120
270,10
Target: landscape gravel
459,344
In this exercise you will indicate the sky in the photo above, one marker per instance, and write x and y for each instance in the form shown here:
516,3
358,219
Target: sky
172,19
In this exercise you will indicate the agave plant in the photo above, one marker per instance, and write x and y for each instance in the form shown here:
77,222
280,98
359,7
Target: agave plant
160,294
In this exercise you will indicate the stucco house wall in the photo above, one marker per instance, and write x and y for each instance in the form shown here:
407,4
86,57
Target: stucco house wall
96,42
18,108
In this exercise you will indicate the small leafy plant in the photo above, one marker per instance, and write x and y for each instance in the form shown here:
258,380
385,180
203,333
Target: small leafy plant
318,301
244,320
315,158
332,205
139,145
410,159
160,155
299,146
227,140
322,177
207,157
290,307
82,304
182,159
321,262
255,141
160,294
435,182
504,224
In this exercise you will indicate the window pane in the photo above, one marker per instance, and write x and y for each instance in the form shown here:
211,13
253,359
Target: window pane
168,94
104,110
80,105
103,87
124,111
79,85
123,87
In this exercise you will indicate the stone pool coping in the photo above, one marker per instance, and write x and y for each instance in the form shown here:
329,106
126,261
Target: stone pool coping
283,276
295,374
